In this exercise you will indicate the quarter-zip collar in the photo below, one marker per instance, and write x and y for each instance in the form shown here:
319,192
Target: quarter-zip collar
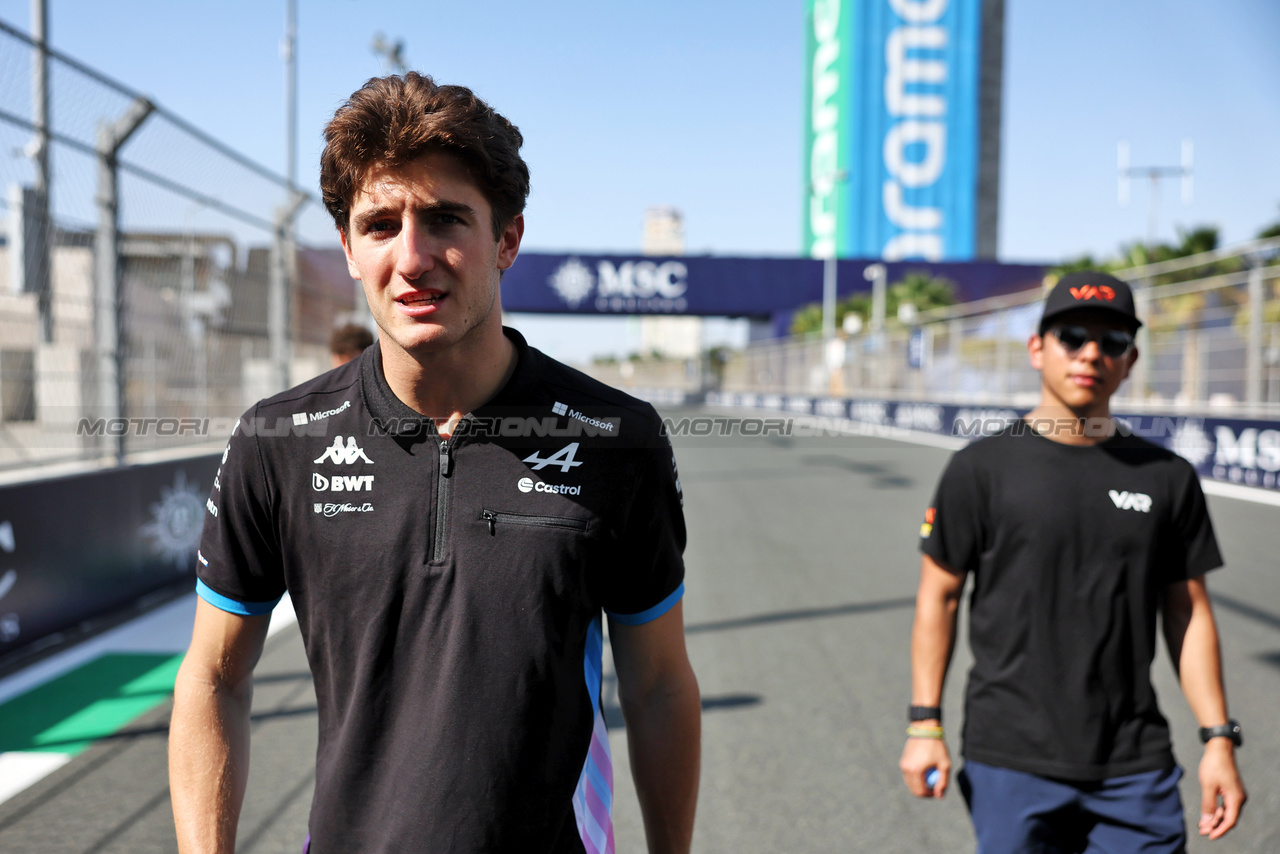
396,418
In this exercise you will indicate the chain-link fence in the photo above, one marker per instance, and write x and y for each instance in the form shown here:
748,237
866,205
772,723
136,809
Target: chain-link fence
145,271
1211,342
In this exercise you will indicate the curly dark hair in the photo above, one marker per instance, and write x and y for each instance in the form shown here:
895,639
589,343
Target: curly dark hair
393,120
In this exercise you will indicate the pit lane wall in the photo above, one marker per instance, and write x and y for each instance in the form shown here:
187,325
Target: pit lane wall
77,547
1241,451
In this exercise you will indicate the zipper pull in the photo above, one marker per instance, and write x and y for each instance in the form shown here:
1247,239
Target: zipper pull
445,459
492,518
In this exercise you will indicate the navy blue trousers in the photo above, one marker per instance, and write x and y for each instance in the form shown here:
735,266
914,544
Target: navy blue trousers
1018,813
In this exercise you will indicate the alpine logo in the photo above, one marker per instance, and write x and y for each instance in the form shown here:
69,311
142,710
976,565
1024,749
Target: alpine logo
1131,500
342,483
562,458
1102,292
348,454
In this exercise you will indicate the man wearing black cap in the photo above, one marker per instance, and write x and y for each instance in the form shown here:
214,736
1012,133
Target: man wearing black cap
1077,534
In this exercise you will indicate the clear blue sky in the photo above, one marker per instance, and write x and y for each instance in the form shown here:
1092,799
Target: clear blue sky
699,105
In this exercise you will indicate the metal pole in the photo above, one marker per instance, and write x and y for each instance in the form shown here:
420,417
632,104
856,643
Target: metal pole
1254,355
828,298
278,313
290,50
1139,376
37,273
878,275
107,279
955,336
1153,211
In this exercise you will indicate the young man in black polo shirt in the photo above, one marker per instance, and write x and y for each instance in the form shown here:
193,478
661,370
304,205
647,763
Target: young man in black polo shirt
1077,535
450,512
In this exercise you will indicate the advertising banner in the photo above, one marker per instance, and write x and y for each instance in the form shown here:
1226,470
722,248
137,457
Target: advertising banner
896,154
1242,451
720,286
77,547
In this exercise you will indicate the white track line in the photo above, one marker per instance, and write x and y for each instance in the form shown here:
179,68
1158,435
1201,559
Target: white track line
166,629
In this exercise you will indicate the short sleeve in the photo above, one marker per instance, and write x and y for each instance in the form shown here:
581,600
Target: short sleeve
239,568
645,576
952,530
1199,547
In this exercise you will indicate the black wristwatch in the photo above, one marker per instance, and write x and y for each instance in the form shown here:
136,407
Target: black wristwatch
1230,730
924,713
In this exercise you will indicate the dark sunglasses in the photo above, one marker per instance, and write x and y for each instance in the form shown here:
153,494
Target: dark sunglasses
1113,343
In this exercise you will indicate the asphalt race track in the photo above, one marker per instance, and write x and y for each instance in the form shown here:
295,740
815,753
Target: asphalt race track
802,565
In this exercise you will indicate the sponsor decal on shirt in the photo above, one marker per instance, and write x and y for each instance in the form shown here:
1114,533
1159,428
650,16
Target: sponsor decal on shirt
342,483
562,458
340,454
926,528
528,484
301,418
1131,500
335,509
562,409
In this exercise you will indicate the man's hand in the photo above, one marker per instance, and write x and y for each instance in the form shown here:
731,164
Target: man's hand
1219,781
1192,636
663,711
918,757
933,636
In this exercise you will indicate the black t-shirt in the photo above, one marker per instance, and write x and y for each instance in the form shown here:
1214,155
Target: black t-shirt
1071,549
449,595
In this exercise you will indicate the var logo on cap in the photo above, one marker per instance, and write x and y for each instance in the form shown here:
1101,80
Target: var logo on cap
1103,292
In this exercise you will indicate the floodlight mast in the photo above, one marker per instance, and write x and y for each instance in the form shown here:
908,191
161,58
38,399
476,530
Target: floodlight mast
1185,171
289,52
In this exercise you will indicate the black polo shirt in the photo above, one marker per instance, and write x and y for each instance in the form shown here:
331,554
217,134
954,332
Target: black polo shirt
449,594
1071,548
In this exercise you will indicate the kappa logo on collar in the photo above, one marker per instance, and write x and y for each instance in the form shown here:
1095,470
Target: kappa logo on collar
351,453
1131,500
1101,292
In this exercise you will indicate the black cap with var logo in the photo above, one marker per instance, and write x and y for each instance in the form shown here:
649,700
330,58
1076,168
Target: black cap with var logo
1093,290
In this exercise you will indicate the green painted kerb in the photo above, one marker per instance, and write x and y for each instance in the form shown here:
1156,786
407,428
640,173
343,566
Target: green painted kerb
67,714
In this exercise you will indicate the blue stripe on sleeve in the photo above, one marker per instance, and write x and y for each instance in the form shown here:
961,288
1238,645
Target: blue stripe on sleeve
231,606
651,614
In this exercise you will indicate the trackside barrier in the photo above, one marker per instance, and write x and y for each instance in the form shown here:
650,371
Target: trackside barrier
1232,450
81,546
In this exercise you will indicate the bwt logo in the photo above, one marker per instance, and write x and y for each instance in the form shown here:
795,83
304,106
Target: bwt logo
665,283
341,483
915,74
